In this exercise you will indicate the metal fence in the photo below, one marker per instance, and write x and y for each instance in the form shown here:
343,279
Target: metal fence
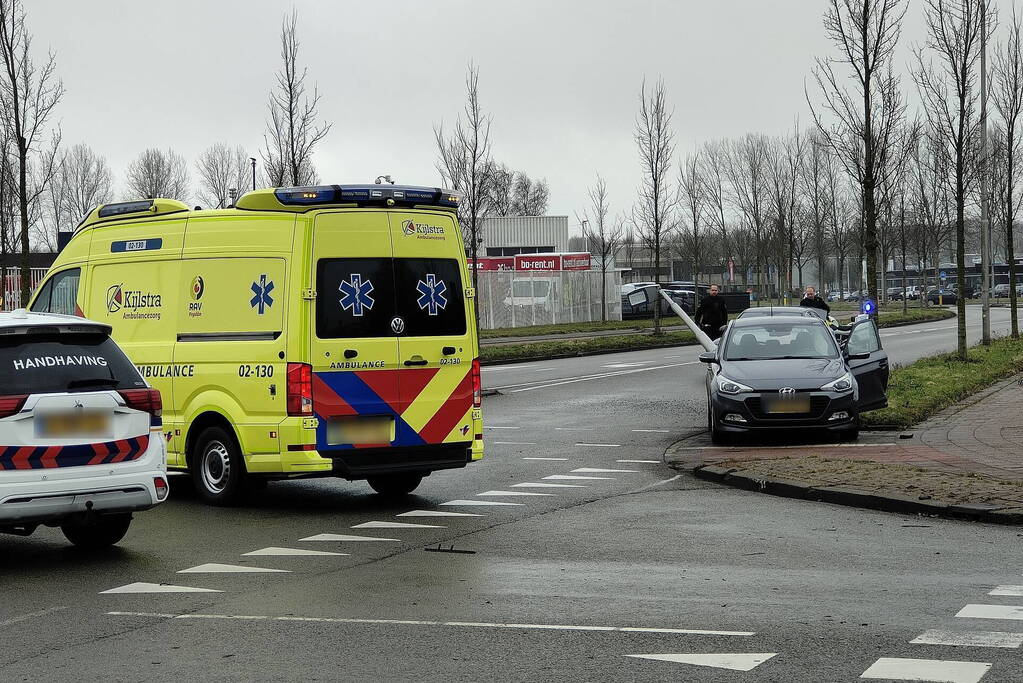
509,298
12,287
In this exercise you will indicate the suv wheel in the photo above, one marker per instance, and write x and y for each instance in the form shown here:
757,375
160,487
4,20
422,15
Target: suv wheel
93,532
395,485
217,467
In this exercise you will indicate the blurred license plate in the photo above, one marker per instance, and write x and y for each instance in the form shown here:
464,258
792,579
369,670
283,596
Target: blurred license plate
786,406
362,430
73,425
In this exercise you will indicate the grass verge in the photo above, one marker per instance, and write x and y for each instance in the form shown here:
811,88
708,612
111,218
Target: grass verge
578,347
917,391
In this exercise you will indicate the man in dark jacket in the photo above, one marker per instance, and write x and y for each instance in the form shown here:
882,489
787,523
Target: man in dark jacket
811,300
712,314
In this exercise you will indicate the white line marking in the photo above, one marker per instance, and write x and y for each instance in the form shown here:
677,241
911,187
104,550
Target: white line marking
459,624
513,443
289,552
31,615
573,429
618,366
735,661
566,477
899,669
496,427
513,493
659,483
501,368
1010,591
216,568
547,384
142,587
558,459
648,462
540,485
599,470
396,525
345,539
653,431
436,513
599,445
478,503
992,612
969,638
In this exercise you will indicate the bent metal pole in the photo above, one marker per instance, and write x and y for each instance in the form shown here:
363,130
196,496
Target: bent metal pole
701,336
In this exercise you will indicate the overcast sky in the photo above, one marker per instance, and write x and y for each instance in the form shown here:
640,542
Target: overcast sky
560,78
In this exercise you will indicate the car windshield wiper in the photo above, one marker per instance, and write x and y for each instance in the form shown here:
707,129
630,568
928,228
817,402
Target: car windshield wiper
93,382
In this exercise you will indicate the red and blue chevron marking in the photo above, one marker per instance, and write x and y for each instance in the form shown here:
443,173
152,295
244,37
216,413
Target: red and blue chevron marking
48,457
340,394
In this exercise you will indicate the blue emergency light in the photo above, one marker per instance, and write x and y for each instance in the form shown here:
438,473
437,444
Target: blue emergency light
367,195
868,307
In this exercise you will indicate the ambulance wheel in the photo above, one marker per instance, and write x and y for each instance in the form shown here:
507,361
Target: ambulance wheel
218,470
94,532
395,485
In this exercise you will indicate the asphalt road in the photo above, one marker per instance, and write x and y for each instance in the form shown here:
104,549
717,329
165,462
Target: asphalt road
567,586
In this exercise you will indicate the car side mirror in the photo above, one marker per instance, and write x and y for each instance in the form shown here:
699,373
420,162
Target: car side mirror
709,357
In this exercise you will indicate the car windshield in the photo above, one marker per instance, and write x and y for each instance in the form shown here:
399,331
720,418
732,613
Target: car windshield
778,340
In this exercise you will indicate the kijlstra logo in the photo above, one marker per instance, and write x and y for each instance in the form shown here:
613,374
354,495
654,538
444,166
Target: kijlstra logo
115,299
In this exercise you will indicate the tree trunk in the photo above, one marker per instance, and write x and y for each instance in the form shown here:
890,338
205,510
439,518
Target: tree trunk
960,256
603,290
26,270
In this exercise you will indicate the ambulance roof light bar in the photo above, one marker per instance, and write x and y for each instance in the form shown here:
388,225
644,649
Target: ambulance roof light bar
367,195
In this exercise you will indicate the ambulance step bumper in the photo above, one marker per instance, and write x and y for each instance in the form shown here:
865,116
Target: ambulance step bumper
370,462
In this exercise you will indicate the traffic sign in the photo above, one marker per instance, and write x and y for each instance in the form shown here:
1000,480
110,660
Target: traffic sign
944,275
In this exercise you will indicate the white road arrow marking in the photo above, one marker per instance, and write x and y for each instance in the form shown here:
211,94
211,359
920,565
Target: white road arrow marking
736,661
479,503
345,539
287,552
513,493
142,587
396,525
215,568
436,513
898,669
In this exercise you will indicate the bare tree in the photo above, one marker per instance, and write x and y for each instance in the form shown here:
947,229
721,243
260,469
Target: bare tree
603,234
714,170
749,175
465,165
513,193
812,179
1007,94
950,93
29,95
693,199
293,129
8,207
866,33
654,205
157,173
221,168
85,182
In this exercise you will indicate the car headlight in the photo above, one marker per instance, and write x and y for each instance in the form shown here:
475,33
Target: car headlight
840,385
728,386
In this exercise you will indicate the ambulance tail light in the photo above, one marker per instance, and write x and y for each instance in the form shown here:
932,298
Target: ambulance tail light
146,400
477,384
11,405
300,389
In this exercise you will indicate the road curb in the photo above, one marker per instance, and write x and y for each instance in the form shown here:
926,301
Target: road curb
852,497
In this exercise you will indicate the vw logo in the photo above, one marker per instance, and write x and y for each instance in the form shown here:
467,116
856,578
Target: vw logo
786,391
397,325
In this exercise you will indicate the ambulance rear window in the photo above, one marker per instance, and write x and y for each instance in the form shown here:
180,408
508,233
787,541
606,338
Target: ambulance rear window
430,299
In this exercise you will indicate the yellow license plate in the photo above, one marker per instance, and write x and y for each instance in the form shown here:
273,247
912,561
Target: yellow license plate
361,431
787,406
73,425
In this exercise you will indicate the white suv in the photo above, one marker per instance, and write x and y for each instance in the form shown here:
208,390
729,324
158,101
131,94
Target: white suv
81,433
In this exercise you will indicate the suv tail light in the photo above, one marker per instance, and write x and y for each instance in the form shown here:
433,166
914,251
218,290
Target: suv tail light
300,389
11,405
146,400
477,384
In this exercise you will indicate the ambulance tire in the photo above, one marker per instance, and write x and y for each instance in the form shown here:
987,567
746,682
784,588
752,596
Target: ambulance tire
395,485
217,466
95,532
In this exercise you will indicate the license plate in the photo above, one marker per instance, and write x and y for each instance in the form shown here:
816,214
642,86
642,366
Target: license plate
787,406
361,430
73,425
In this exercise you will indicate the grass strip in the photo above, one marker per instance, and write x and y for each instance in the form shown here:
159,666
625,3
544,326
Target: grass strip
917,391
579,347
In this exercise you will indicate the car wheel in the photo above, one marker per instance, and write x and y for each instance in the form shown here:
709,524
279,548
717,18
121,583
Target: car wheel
217,466
94,532
717,437
395,485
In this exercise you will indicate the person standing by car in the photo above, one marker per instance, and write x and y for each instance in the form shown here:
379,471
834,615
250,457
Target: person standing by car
811,300
712,314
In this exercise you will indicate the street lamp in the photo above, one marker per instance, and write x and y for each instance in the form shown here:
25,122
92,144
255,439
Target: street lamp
253,160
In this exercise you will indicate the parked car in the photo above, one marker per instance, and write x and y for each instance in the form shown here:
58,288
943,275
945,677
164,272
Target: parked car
895,293
852,296
834,295
945,297
81,433
1000,291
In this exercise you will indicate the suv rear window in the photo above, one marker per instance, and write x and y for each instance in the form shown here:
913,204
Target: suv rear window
52,363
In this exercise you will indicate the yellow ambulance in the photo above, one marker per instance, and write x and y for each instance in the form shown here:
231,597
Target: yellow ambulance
314,331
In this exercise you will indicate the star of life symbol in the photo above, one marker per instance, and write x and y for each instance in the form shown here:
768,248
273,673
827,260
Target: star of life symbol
262,299
432,299
356,293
